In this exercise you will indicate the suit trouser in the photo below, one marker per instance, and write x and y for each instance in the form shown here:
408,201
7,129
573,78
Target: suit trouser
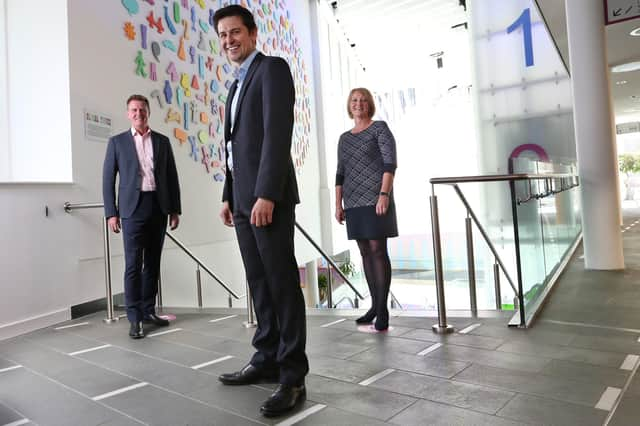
143,235
274,281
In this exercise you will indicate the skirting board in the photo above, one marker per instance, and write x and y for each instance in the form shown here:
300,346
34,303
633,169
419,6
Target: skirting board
34,323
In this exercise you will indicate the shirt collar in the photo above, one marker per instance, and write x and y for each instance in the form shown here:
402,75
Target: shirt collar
134,132
244,67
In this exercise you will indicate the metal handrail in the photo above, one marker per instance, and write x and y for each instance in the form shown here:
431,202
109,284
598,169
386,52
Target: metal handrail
345,298
202,265
499,178
485,236
442,326
69,207
328,259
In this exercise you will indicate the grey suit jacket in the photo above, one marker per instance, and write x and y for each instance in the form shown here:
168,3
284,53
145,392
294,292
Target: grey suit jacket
121,159
261,137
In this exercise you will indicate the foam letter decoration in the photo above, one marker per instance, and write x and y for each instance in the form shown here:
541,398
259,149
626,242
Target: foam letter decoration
171,70
131,6
167,19
181,53
192,54
140,65
168,91
176,12
143,36
156,94
173,116
129,31
153,75
155,50
180,134
194,148
169,45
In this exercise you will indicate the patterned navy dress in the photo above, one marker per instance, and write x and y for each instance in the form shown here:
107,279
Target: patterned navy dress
362,160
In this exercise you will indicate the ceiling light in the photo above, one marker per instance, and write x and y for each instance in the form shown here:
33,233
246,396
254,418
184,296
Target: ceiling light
635,33
621,82
629,66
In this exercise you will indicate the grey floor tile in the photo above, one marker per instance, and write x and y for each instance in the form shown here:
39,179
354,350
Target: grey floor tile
581,372
459,394
362,400
536,410
418,364
4,363
561,389
47,403
625,345
71,371
197,340
474,341
490,358
334,417
627,413
345,370
339,350
427,413
9,415
589,356
422,334
61,340
157,407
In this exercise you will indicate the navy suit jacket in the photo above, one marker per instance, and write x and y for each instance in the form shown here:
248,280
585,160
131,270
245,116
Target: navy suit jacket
261,136
122,159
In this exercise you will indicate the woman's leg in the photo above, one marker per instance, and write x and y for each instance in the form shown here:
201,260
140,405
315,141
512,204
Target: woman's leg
381,269
365,252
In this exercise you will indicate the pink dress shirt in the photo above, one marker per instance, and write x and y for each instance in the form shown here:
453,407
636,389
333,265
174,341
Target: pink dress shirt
144,148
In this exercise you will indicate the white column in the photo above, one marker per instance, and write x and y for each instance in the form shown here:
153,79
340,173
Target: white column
595,141
311,293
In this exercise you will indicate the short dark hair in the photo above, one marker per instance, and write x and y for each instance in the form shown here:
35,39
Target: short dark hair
235,10
139,98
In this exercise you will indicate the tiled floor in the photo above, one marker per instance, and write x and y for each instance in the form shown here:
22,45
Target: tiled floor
576,366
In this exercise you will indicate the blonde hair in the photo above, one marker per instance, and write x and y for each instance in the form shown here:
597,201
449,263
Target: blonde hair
367,96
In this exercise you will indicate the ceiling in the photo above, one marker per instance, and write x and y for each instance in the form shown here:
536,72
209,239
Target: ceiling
404,27
621,48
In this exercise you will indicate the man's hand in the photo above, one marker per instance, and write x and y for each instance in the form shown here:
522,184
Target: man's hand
114,224
226,215
174,221
262,212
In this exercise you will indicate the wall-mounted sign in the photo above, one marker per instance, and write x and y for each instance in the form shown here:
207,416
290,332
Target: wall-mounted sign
97,126
631,127
621,10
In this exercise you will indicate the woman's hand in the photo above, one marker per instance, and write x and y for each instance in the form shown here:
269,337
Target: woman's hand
339,214
382,205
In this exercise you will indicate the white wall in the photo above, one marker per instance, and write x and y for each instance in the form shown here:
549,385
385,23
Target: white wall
52,263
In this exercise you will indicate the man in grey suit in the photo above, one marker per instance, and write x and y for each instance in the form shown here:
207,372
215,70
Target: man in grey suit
148,192
259,198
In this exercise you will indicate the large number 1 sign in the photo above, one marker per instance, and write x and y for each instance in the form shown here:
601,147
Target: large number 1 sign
524,21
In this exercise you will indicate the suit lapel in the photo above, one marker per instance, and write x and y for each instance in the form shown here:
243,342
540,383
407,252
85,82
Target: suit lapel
245,84
155,143
227,111
130,147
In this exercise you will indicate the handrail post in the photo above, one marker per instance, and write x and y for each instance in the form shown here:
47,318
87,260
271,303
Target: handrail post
107,270
199,286
230,300
516,241
496,283
471,267
442,327
329,287
250,323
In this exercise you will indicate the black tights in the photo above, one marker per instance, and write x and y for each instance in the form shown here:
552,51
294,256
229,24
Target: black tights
377,270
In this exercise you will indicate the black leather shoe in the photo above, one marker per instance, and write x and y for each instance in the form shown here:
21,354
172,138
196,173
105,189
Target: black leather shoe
154,319
248,375
283,400
136,331
367,318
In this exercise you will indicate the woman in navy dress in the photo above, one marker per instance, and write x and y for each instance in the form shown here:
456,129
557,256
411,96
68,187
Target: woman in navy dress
364,197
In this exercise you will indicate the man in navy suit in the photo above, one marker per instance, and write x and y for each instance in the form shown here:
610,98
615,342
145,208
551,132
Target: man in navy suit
148,192
259,198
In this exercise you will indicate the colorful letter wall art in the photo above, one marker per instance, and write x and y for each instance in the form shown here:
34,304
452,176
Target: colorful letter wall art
177,47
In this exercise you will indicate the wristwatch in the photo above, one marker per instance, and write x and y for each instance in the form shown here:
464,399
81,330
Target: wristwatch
386,194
